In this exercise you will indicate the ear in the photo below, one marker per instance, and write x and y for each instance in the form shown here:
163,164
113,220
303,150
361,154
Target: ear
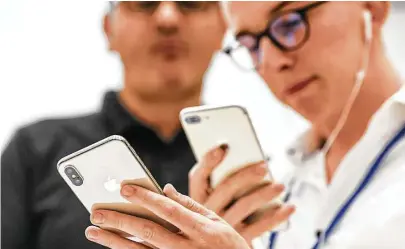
379,11
107,30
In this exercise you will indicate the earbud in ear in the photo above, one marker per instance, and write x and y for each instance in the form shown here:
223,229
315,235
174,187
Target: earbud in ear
368,30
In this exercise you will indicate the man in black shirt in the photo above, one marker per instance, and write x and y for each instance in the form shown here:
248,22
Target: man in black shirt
165,48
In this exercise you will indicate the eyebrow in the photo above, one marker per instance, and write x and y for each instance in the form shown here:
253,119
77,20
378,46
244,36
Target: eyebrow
278,7
281,6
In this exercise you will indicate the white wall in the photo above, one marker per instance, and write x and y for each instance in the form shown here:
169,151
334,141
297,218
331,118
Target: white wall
53,61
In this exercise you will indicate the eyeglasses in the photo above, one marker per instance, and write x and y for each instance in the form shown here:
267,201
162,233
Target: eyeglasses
288,31
151,6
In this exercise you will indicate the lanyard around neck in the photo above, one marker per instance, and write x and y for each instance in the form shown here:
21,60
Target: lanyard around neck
324,236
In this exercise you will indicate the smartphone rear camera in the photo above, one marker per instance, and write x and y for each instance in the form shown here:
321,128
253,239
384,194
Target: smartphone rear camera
78,182
193,120
73,175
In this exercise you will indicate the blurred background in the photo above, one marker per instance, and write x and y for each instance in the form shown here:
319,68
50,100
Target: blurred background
54,61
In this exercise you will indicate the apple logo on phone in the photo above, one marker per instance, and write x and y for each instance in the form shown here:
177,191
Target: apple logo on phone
111,184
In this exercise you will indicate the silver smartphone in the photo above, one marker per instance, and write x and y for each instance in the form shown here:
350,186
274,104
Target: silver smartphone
209,126
95,175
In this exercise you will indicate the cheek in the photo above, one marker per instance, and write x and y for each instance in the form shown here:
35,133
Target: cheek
132,39
274,83
203,41
334,52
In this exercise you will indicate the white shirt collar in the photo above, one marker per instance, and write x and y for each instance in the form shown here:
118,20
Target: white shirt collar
399,96
382,126
306,144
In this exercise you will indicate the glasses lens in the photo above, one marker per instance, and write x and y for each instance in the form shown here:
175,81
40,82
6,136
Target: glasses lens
289,30
246,53
243,57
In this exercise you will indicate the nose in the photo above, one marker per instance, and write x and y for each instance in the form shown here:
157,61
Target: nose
273,59
168,17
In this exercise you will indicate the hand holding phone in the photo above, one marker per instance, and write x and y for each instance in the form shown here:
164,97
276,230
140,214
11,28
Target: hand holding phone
232,177
208,127
252,214
96,173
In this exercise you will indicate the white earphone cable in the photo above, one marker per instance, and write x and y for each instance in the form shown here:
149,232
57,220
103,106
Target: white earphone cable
356,88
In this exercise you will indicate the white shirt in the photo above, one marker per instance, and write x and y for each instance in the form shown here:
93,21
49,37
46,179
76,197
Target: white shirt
377,217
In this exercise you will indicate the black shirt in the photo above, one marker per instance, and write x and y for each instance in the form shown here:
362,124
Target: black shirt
38,209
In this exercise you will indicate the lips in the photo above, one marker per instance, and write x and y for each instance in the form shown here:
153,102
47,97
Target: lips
169,47
299,86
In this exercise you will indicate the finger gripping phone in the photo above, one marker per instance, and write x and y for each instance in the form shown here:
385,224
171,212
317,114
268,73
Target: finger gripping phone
209,126
96,173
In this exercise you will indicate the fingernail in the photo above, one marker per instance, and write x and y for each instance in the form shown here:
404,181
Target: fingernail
261,169
127,191
97,218
290,208
278,186
92,234
169,187
217,153
224,147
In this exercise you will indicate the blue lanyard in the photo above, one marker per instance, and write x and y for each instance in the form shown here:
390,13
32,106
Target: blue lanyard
363,184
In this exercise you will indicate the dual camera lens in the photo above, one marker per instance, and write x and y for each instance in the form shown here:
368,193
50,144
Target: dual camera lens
193,120
74,175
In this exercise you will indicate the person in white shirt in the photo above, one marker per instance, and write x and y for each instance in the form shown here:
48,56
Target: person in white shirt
326,60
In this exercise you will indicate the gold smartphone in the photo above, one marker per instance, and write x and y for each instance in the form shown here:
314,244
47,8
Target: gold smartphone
95,175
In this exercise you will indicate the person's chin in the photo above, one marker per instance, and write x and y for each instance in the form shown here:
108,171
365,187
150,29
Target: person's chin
308,108
172,83
171,71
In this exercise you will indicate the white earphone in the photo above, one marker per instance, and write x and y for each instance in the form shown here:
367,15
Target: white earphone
368,35
368,30
360,75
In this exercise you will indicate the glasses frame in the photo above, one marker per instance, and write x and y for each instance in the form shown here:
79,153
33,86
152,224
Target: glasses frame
114,4
303,12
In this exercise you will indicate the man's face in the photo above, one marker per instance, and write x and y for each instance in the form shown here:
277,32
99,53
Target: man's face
165,47
317,78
